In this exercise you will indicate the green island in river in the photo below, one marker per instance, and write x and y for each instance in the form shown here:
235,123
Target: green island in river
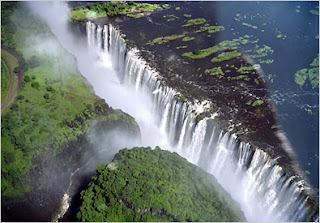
142,184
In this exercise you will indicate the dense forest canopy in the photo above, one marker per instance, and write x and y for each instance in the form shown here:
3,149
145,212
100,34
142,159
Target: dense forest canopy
142,184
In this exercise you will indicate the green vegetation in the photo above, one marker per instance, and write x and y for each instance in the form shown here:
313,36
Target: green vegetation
187,16
181,47
268,61
7,26
166,6
245,69
216,71
155,185
239,77
312,74
102,9
5,80
226,56
315,62
180,98
249,102
257,103
194,22
165,39
12,63
211,29
185,39
172,18
55,106
314,12
259,52
301,76
222,46
177,8
10,59
314,77
249,25
85,13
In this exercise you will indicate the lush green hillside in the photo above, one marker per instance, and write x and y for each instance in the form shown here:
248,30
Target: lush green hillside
155,185
5,80
44,131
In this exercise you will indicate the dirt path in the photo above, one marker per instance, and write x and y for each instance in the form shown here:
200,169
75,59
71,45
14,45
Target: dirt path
11,82
20,77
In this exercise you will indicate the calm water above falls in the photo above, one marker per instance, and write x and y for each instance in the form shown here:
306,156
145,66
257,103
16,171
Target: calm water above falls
295,52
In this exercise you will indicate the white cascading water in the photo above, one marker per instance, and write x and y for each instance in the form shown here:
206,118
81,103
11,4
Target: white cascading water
263,190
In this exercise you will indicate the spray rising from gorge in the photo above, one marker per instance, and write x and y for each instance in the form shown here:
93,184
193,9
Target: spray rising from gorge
127,82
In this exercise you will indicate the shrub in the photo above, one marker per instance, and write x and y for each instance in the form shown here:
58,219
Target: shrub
20,97
46,96
50,89
16,70
27,79
35,85
28,130
14,107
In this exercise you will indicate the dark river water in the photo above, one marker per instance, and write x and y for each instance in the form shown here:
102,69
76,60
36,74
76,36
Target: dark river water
295,50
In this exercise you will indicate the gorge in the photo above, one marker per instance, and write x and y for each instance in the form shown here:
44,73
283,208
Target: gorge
254,164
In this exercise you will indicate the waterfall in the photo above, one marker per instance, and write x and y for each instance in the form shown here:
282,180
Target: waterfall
261,186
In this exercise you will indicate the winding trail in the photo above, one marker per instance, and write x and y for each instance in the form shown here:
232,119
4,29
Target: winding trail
11,81
20,78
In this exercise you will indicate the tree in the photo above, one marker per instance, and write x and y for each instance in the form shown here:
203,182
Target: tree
16,70
35,85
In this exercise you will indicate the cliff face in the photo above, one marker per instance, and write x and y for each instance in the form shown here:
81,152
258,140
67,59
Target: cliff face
142,184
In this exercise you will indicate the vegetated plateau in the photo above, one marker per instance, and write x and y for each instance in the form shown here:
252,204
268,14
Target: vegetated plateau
142,184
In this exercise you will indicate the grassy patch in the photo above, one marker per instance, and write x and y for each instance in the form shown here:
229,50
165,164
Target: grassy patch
102,9
187,16
226,56
245,69
181,47
301,76
312,74
165,39
12,63
315,62
314,77
185,39
216,71
222,46
10,59
194,22
211,29
249,25
5,80
257,103
314,12
239,77
267,61
85,13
